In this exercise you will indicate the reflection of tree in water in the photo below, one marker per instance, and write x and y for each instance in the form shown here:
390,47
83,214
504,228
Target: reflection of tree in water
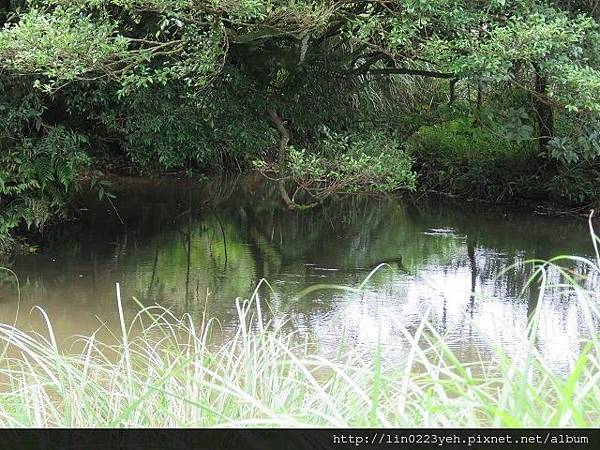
182,240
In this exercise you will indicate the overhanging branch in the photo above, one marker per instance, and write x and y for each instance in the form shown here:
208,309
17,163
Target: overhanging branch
407,71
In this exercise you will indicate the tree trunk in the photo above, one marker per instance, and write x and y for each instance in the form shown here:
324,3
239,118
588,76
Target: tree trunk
283,143
284,137
543,110
479,103
281,157
452,95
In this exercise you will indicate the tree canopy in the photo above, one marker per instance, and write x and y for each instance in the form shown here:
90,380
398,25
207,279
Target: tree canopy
181,82
139,42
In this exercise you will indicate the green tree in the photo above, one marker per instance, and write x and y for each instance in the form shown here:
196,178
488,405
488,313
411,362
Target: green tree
123,69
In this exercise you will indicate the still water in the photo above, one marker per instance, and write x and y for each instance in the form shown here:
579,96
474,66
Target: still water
197,247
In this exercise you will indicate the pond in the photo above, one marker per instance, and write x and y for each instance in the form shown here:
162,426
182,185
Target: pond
196,247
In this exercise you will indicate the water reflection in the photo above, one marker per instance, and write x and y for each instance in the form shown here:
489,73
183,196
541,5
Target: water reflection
196,247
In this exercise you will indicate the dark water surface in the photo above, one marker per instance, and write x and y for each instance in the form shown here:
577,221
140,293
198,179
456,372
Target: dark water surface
196,247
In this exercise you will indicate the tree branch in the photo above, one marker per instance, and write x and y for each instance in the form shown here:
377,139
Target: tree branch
407,71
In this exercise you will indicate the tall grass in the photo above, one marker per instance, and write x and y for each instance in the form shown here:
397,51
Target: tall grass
167,373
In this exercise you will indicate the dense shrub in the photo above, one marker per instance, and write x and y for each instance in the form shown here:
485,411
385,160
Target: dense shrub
173,129
480,161
348,163
460,157
39,163
163,128
577,184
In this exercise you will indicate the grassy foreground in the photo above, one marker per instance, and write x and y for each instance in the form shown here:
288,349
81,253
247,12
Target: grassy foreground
169,375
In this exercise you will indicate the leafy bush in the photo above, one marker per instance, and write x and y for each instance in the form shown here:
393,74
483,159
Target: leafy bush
163,128
349,163
36,178
460,157
39,164
577,140
577,184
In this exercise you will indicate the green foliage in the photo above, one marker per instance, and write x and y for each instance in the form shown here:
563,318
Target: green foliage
459,157
61,45
577,140
36,179
39,164
172,85
482,162
171,127
518,127
353,162
577,184
139,43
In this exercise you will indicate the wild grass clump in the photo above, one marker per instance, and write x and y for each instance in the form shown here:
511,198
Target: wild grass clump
463,158
165,371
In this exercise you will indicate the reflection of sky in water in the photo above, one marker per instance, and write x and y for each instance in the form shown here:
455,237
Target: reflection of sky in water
471,325
183,241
